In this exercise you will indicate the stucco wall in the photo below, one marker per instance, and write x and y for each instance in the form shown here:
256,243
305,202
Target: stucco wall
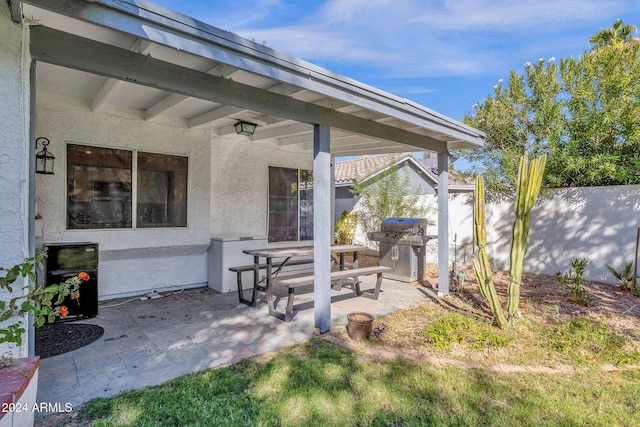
131,260
14,167
596,223
14,149
240,182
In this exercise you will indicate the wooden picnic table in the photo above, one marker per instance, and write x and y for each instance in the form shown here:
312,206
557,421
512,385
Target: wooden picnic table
285,255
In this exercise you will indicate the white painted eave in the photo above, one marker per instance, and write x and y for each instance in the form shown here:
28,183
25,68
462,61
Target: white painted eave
149,21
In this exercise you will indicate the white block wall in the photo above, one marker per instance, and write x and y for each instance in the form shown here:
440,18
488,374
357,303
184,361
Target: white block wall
596,223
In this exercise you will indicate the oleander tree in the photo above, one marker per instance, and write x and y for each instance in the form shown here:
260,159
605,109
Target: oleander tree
582,113
617,35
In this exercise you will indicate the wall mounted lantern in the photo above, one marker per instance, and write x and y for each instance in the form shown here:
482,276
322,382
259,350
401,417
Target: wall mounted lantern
245,128
44,159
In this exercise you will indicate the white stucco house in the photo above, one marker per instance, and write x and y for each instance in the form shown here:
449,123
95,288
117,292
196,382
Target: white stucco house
140,104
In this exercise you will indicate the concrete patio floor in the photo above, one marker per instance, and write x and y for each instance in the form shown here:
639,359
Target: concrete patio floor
150,342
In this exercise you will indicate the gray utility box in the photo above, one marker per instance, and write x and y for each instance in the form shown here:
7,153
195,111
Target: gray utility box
225,252
402,244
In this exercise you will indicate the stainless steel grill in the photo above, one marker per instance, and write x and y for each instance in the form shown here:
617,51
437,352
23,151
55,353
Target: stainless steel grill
402,247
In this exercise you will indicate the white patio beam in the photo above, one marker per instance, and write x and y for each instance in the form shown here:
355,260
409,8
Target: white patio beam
322,228
301,138
275,132
443,224
373,150
213,115
110,84
175,98
343,138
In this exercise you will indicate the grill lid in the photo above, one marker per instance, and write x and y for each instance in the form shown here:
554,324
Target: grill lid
416,226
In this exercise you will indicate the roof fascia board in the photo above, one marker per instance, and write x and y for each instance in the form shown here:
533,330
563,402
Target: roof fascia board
152,22
67,50
421,167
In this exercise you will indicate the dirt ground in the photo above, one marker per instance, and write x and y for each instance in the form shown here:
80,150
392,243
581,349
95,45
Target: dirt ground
539,294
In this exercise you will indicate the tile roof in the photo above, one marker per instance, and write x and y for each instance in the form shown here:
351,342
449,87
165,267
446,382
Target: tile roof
348,171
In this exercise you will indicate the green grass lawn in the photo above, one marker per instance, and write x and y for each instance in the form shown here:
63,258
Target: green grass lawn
323,384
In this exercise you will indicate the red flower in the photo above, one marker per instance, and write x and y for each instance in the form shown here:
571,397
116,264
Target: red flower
64,311
84,276
76,295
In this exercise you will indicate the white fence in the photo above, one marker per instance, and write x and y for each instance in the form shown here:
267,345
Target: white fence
596,223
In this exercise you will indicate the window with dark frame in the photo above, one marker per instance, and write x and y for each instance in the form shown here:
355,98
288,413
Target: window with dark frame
100,189
161,191
290,204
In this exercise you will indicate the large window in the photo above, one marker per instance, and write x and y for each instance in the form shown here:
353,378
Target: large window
100,187
290,204
162,190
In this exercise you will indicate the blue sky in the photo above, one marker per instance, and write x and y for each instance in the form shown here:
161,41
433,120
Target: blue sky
443,54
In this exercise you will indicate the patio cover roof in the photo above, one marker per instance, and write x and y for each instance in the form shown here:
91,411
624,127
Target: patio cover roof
166,66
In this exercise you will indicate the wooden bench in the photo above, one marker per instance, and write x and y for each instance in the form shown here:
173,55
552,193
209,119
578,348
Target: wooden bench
277,267
294,282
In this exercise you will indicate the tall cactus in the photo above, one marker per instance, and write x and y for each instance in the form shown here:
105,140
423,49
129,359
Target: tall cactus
481,262
529,184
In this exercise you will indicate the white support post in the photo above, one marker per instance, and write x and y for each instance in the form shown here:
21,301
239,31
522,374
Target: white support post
443,223
322,228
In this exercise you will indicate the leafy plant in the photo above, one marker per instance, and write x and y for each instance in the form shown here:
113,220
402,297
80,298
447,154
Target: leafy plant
573,279
455,328
581,111
623,275
390,194
345,229
585,340
37,301
379,330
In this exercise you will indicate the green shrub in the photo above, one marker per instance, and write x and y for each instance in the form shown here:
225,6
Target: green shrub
573,279
586,340
487,337
624,276
345,229
456,328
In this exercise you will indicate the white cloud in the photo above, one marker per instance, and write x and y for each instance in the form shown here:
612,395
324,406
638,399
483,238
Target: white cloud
420,38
